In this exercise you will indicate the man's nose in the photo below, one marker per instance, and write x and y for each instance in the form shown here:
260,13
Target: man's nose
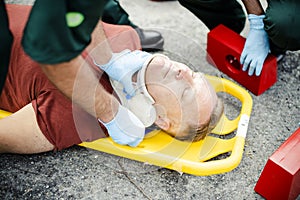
187,75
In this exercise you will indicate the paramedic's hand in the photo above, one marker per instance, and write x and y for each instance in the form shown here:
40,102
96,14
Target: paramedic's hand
125,128
123,65
256,47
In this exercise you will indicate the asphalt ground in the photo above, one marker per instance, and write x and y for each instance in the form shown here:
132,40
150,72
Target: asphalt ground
80,173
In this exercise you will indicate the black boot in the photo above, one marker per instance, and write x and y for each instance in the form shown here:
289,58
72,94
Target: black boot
150,40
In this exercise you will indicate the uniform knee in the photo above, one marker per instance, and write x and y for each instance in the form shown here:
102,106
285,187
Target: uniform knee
276,29
283,29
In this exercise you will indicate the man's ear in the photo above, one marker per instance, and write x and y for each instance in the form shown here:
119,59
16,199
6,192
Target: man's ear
162,121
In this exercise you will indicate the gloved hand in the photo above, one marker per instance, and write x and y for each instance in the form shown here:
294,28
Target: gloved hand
123,65
256,47
125,128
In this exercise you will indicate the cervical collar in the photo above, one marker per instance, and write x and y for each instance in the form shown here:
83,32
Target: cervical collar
142,103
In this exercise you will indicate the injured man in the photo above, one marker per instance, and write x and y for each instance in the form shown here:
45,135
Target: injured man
167,93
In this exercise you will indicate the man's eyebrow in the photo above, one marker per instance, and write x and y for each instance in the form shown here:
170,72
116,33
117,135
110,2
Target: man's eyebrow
150,61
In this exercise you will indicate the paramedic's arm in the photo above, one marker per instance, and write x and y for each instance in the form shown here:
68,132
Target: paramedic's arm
257,45
79,82
253,7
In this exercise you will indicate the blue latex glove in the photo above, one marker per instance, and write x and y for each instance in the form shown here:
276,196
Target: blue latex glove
257,46
123,65
125,128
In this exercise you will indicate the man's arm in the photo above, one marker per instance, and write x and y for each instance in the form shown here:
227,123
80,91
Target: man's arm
26,137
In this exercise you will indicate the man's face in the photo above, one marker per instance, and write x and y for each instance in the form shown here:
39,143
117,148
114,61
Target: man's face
181,96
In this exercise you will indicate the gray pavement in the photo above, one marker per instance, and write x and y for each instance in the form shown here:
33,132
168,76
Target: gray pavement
80,173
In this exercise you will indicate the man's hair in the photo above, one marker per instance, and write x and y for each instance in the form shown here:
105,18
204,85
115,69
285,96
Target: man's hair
198,133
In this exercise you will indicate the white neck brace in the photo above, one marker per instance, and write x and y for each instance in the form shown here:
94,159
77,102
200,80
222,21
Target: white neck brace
142,103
